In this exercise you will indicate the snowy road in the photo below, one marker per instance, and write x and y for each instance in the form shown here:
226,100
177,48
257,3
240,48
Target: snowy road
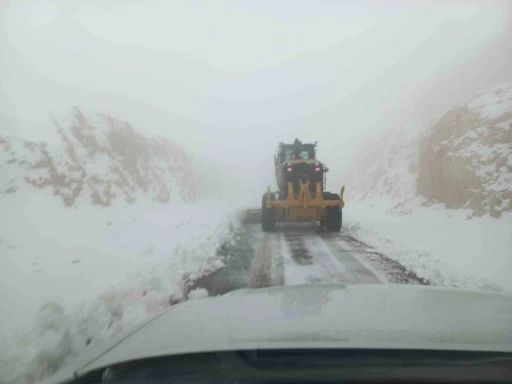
302,253
207,252
318,258
306,254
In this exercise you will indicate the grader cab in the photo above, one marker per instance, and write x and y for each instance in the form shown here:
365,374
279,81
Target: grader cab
301,181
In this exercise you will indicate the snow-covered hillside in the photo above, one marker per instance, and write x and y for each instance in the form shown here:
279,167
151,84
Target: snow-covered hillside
101,227
435,193
99,159
387,167
73,278
465,159
462,159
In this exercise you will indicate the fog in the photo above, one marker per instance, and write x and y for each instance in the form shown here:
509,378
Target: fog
227,79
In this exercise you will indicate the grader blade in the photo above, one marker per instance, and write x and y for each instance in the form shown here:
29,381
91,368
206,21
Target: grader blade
251,216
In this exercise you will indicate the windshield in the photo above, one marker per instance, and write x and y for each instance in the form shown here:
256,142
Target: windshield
155,153
290,154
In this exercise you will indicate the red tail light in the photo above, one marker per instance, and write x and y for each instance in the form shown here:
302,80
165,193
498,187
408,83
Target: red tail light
317,169
289,169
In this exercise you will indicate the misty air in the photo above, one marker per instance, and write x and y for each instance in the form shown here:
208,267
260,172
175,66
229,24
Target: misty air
255,191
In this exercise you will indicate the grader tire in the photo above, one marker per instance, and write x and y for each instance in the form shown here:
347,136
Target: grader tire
334,214
334,218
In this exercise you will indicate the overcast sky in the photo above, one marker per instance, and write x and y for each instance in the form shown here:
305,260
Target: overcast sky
232,78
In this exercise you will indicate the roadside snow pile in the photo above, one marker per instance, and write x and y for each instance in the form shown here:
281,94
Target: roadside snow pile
97,273
438,245
462,159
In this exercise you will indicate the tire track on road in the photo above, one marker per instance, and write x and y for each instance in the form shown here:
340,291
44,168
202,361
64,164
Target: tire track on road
299,251
303,254
308,258
385,267
334,257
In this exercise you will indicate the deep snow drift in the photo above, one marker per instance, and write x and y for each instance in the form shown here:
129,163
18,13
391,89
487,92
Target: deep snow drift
75,277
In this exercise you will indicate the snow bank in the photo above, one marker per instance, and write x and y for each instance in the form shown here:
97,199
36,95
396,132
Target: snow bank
439,245
121,265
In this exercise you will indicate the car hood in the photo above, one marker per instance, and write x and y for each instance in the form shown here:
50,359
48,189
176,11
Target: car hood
316,316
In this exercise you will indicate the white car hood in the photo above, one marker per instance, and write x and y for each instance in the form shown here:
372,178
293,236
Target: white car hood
317,316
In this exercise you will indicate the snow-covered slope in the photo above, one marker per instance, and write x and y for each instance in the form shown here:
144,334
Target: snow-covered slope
462,159
388,167
101,227
411,193
465,160
73,278
99,159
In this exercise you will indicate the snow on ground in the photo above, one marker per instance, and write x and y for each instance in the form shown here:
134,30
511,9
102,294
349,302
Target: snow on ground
437,244
73,277
322,265
492,102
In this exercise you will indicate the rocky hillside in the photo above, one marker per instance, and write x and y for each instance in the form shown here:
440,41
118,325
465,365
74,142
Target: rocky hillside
99,159
462,158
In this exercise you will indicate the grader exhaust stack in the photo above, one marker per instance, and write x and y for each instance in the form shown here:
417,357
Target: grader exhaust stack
301,197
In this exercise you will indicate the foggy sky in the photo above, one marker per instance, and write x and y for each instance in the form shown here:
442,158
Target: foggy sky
229,79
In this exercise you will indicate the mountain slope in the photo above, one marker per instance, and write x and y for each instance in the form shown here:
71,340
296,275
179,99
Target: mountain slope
465,160
462,158
411,193
100,159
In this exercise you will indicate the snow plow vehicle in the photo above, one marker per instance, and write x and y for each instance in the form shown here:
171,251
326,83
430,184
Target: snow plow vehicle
301,180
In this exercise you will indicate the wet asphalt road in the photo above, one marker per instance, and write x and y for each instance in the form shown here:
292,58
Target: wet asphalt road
300,253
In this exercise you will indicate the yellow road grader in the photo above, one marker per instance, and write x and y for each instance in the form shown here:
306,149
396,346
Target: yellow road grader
301,181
